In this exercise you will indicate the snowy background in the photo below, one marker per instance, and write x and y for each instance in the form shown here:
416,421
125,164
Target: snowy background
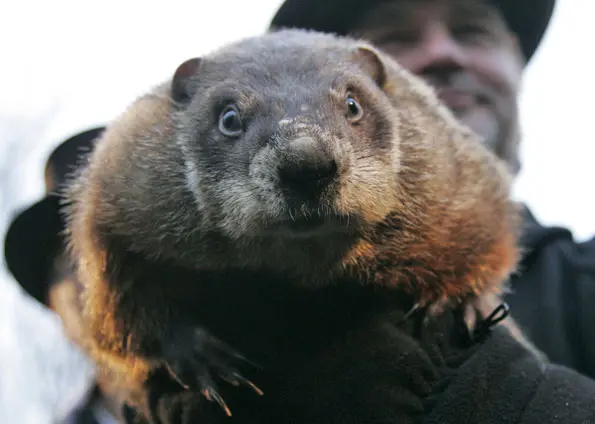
71,65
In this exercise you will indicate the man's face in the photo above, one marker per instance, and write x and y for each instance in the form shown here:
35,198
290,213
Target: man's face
461,47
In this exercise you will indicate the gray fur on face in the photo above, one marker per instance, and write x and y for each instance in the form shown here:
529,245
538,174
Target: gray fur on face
244,197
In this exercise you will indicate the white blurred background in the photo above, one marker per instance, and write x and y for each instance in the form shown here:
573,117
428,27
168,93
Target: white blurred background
68,65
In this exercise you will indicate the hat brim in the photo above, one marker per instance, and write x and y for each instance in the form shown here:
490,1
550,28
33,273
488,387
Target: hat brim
33,237
528,18
30,244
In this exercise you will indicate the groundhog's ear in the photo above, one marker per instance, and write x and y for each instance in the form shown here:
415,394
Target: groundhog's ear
370,60
181,84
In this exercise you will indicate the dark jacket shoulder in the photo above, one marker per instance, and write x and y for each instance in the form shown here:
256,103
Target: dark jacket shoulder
553,294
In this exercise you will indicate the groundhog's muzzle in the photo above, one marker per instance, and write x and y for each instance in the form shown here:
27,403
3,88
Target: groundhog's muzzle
306,168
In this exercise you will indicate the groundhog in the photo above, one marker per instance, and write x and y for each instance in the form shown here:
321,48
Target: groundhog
271,198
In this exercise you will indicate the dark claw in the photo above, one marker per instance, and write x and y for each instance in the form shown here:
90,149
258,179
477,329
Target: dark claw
211,394
173,374
232,352
236,379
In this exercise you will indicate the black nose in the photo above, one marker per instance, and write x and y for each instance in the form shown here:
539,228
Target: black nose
306,167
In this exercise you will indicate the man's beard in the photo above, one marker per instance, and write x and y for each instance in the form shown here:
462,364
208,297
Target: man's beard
501,136
493,117
508,140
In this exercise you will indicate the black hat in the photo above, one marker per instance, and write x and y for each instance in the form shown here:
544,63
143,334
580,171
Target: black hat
33,236
527,18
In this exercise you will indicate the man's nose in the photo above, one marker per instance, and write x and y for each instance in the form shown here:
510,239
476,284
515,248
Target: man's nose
437,49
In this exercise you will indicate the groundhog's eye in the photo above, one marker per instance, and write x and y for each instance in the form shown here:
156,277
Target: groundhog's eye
230,123
354,110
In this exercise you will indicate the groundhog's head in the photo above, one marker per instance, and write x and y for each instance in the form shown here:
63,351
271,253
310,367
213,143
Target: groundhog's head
284,139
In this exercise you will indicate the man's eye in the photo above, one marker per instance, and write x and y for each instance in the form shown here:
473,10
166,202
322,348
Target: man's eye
469,30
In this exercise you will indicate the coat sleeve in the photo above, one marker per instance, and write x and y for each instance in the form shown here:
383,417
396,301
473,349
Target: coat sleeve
503,382
563,396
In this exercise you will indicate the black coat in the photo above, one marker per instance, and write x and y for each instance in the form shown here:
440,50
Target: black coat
554,293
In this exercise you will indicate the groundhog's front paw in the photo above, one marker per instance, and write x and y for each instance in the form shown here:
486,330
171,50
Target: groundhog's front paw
193,359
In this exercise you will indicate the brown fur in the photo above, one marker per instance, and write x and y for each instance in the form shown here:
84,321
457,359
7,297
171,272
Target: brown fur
426,211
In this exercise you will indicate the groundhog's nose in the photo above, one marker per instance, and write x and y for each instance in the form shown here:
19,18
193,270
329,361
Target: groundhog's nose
305,166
